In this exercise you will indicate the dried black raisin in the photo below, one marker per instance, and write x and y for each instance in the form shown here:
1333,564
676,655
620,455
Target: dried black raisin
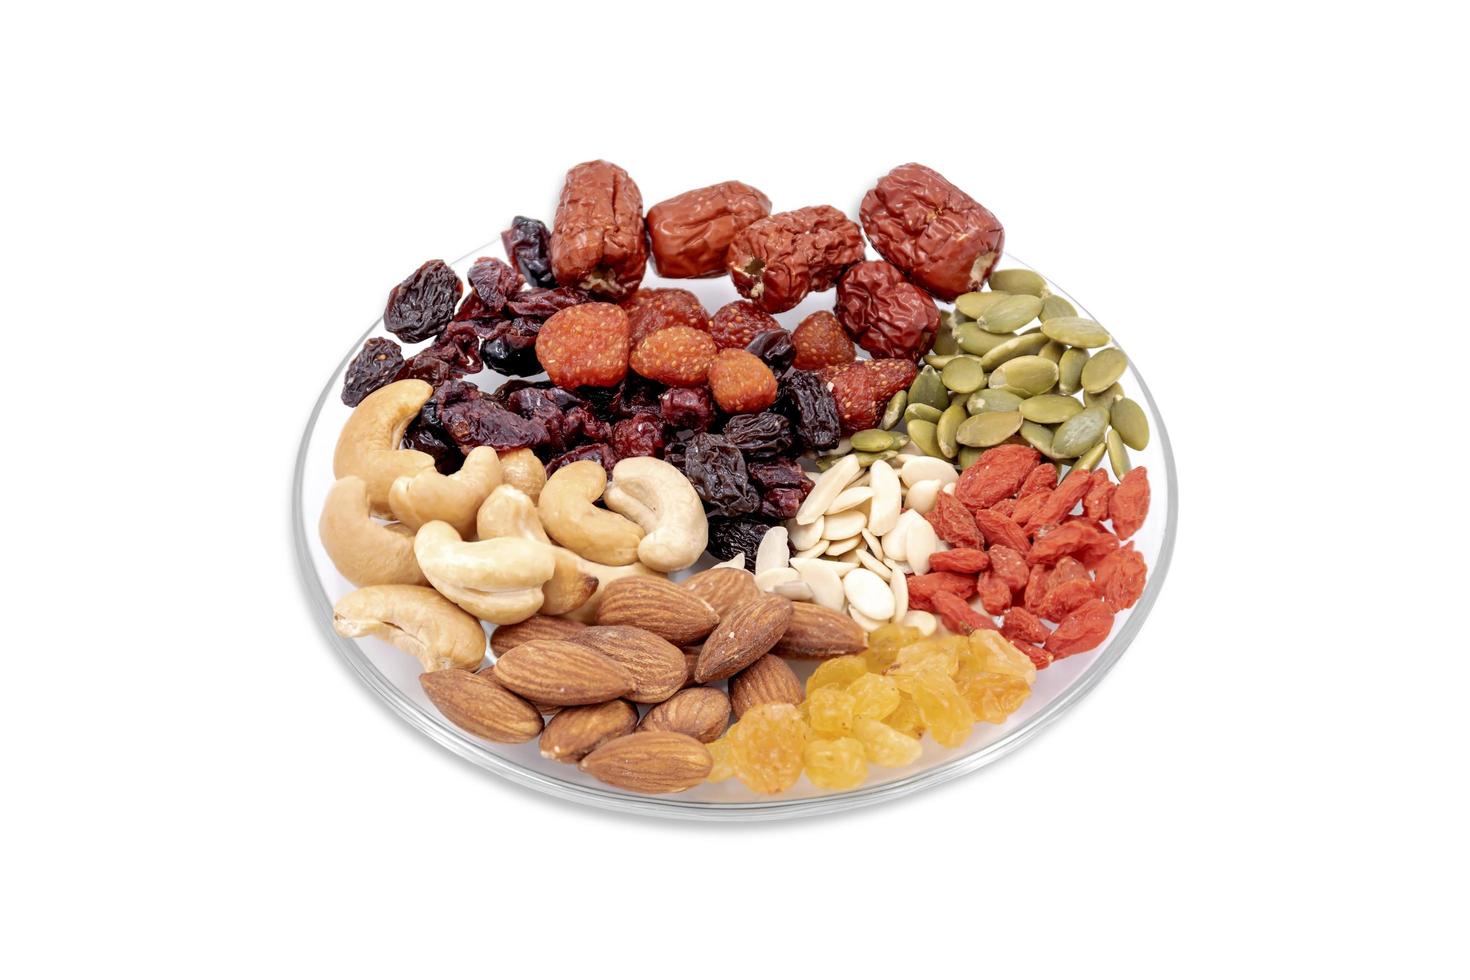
494,282
773,347
528,244
717,472
728,538
419,306
377,364
805,399
763,435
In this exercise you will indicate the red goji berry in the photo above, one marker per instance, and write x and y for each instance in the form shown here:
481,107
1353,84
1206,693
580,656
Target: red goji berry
1022,625
1121,575
962,560
1129,506
995,594
1085,628
923,588
1004,506
1098,496
996,475
1068,539
1066,569
1009,566
1060,600
953,523
1035,587
1059,502
1042,477
1000,529
1026,507
1040,658
958,616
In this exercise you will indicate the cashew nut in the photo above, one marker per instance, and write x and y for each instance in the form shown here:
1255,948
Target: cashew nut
568,515
522,470
497,580
508,512
658,498
429,495
604,574
368,445
415,619
364,551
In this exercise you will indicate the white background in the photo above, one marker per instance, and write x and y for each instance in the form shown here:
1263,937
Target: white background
205,204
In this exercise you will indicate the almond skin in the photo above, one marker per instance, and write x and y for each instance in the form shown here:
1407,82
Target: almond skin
538,627
481,706
656,664
659,606
723,588
817,631
546,709
574,732
562,672
650,762
767,681
699,712
745,635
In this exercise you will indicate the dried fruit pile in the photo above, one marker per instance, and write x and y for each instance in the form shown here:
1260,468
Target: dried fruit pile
934,535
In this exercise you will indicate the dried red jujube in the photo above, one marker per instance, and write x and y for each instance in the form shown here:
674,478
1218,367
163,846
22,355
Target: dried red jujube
885,313
691,232
778,260
597,239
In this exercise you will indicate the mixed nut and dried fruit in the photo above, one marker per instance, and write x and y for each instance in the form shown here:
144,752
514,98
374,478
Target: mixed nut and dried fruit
931,523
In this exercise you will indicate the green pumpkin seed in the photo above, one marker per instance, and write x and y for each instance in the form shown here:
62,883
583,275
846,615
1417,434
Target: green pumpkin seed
1010,314
1038,437
1032,374
1054,306
1132,425
992,400
972,305
1102,369
938,361
825,463
945,428
1103,399
1018,281
968,456
944,342
872,441
918,411
1074,331
895,408
1117,455
1080,432
1020,346
1069,370
973,340
1053,352
989,428
963,374
927,389
868,459
924,436
1093,456
1050,409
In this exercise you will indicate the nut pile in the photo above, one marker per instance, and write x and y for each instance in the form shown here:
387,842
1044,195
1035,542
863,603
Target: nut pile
857,505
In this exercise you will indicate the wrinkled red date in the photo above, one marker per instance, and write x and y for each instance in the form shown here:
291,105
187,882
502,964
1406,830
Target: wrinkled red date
692,232
597,239
776,261
885,313
944,239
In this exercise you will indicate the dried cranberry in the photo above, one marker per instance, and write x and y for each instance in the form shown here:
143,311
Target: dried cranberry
806,400
641,435
728,538
427,437
528,244
419,306
773,347
458,347
472,308
581,425
717,471
635,396
601,452
687,408
763,435
782,503
511,350
377,364
471,420
781,474
494,282
425,367
542,303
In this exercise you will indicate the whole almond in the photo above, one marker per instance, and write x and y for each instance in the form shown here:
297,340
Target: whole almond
659,606
691,660
562,672
723,588
699,712
656,664
481,706
538,627
546,709
650,762
817,631
576,731
746,634
767,681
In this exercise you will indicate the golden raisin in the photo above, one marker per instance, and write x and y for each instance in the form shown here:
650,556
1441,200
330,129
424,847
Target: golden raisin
839,763
841,671
830,710
874,696
766,747
884,745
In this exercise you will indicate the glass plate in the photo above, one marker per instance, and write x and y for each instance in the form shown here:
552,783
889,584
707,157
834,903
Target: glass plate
393,675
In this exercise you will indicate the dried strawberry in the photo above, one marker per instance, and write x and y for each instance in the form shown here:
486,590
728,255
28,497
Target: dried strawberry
1069,539
1021,625
961,560
1129,506
1085,627
820,340
1098,496
862,389
741,382
1035,588
923,588
737,324
1041,478
1059,502
652,310
1009,566
1060,600
995,593
952,523
1121,576
678,356
1000,529
996,475
958,616
585,345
